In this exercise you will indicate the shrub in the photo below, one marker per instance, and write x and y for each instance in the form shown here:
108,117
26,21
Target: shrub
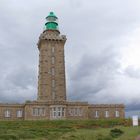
116,132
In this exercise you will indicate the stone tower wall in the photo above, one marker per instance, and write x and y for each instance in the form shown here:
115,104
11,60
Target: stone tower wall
51,79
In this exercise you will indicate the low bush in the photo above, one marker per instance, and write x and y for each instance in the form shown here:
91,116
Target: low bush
116,132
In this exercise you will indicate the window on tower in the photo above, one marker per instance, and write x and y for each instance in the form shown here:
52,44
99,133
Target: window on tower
53,71
53,59
53,49
53,95
53,83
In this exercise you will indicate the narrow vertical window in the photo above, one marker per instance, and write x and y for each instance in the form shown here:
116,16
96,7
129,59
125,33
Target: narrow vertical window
53,71
59,111
53,83
53,95
53,49
54,112
117,114
106,114
96,114
53,60
63,111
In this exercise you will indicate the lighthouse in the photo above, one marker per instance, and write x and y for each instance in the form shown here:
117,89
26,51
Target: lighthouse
51,77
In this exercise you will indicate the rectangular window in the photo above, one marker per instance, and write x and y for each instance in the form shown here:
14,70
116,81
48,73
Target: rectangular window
71,112
75,112
53,59
58,112
53,95
106,114
63,111
38,111
19,113
79,112
41,112
7,113
117,114
54,111
34,111
53,49
96,114
53,71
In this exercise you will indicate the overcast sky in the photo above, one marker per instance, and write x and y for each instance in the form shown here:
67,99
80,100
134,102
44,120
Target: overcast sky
102,52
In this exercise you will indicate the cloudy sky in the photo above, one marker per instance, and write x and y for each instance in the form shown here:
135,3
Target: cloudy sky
102,51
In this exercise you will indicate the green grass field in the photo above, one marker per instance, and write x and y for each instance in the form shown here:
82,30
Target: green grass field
66,130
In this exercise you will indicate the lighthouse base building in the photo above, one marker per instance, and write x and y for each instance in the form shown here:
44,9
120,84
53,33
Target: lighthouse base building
52,102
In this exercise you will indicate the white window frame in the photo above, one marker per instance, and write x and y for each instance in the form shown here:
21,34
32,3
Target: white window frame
117,114
106,113
7,113
96,114
58,112
19,113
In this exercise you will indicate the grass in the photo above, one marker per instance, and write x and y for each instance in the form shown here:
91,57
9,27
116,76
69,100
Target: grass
66,130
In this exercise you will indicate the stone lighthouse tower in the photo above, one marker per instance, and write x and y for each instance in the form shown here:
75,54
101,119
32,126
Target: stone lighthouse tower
51,79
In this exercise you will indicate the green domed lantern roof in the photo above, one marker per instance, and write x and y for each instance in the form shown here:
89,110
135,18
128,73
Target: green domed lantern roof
51,23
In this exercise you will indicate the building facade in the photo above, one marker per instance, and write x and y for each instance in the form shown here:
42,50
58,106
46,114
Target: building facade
52,102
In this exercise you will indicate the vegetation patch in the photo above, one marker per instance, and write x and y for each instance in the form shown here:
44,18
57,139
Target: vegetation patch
103,137
68,130
116,133
9,137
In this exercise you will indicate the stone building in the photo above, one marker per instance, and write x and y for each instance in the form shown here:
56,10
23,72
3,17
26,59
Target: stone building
52,102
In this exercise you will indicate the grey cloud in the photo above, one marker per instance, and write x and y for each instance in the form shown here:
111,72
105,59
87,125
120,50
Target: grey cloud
133,72
18,84
93,74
